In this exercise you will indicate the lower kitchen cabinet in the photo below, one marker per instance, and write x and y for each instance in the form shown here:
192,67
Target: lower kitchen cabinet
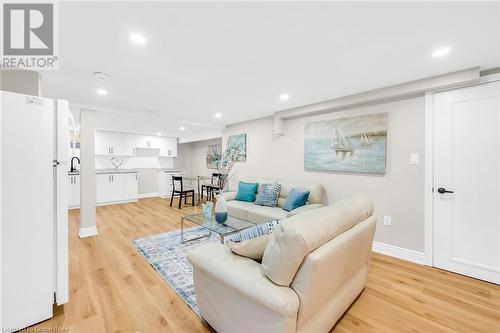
116,188
165,183
74,191
131,185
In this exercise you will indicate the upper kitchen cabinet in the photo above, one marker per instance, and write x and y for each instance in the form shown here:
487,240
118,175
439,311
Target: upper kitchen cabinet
124,144
114,143
168,147
146,141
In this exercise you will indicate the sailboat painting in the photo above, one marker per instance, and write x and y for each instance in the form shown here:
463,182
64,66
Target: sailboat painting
354,144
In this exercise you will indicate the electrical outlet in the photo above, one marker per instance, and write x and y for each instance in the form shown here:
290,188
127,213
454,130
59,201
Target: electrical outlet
387,220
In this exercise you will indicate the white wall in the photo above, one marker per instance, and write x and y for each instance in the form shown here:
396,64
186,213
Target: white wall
191,158
399,193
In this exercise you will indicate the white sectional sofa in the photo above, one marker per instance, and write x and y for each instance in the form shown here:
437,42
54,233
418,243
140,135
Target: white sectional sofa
314,266
249,211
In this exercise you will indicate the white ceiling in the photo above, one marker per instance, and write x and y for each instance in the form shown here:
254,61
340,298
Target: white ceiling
236,58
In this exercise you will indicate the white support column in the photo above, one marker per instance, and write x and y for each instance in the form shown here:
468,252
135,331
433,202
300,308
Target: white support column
87,174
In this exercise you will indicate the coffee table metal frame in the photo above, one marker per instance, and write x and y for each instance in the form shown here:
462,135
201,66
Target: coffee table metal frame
212,220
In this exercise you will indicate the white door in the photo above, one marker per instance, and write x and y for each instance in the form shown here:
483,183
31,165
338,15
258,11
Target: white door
131,182
117,187
103,188
27,201
467,164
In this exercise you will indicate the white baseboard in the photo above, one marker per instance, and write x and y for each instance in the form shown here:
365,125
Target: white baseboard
87,231
399,252
147,195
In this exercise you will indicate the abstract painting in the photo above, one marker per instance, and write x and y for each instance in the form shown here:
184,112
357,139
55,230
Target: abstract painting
214,155
237,146
354,144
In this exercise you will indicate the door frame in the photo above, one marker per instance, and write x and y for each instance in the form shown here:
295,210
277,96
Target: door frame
429,165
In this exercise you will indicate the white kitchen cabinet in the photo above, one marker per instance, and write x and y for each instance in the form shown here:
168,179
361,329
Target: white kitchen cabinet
165,183
114,143
128,146
168,147
148,141
131,185
116,188
103,188
74,191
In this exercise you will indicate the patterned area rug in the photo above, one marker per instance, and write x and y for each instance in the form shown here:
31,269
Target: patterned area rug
167,255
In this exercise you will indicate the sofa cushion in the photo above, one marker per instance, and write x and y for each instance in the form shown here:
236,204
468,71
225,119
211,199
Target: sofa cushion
246,191
298,235
244,276
268,194
261,214
239,209
315,190
253,248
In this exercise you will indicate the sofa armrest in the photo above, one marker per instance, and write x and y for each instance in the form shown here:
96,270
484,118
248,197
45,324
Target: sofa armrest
303,209
229,195
244,276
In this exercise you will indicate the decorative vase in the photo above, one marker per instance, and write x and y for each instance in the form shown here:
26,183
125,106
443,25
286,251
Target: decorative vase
220,209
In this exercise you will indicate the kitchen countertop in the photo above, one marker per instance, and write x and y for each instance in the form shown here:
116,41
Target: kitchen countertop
170,170
101,171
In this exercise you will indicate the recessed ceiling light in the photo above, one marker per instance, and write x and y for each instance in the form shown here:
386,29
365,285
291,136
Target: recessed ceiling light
138,39
159,133
284,97
102,92
182,128
101,76
217,115
441,52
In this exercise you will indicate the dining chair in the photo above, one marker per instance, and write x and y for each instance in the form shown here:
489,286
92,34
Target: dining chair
208,187
179,190
216,185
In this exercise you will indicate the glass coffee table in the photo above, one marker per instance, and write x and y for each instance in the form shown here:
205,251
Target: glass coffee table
231,226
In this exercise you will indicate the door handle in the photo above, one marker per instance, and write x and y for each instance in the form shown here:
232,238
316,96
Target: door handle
442,190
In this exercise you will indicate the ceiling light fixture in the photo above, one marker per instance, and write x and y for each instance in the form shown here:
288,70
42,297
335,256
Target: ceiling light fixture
138,39
284,97
217,115
182,128
159,133
102,92
101,76
441,52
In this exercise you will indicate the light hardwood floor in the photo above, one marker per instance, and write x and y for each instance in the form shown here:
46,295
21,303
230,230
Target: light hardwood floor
113,289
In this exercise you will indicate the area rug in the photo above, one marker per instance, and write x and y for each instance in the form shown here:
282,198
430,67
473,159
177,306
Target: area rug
167,255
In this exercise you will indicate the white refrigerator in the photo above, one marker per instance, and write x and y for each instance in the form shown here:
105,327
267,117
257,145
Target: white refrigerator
34,143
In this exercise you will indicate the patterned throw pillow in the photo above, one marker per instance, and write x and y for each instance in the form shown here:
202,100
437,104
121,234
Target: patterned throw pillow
268,194
255,231
252,242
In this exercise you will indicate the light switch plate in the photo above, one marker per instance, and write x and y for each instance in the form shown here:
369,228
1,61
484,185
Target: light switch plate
387,220
414,158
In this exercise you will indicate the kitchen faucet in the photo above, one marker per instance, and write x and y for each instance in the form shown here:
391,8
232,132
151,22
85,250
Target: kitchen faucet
73,168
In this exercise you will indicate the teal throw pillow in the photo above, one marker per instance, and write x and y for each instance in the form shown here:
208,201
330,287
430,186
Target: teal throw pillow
246,192
295,199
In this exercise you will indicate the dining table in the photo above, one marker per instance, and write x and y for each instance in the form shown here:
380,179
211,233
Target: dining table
198,180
